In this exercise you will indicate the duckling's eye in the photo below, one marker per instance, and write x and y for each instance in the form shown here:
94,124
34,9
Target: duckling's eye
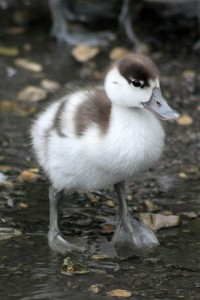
136,83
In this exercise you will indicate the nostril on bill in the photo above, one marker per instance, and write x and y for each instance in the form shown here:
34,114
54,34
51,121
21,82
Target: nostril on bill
158,103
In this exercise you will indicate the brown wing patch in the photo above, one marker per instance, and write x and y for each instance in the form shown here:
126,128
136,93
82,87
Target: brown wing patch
95,109
137,67
57,120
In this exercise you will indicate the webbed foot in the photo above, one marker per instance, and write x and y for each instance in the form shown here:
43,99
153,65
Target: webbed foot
132,238
58,244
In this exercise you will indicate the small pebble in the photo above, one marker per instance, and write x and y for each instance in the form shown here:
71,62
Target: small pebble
2,178
94,288
130,197
110,203
182,175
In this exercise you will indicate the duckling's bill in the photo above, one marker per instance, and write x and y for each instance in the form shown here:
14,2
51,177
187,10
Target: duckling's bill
158,105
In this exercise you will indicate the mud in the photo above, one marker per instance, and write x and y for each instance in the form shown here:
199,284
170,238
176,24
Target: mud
28,268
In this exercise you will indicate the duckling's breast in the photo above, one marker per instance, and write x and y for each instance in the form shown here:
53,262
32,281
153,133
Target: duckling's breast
133,143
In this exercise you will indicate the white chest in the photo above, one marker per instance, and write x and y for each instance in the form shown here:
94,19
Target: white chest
134,141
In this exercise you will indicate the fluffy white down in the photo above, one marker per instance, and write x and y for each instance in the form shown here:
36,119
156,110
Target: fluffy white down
133,142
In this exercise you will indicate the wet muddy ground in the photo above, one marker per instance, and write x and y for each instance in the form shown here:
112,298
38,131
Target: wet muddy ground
28,268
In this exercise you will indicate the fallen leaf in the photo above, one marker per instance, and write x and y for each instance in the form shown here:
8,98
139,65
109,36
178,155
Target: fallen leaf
118,52
189,74
14,107
8,106
26,112
50,85
119,293
192,169
182,175
84,53
32,94
98,256
8,51
150,205
184,120
28,65
23,205
15,30
8,184
7,233
158,221
5,168
190,214
30,175
107,228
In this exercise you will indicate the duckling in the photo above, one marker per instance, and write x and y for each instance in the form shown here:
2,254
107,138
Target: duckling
100,136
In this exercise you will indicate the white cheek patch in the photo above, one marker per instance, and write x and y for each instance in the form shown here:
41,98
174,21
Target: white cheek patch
154,83
148,90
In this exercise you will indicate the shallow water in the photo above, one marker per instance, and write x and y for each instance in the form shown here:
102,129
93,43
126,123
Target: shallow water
29,269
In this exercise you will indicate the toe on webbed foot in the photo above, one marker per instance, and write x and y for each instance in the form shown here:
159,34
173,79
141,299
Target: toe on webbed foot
60,245
132,238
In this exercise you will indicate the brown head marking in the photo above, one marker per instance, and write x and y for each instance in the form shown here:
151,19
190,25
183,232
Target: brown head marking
137,67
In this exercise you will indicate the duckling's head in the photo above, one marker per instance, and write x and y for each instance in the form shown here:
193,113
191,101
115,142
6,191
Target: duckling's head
133,81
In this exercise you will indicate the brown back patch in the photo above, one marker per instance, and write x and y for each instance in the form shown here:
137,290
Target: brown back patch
57,120
137,67
95,109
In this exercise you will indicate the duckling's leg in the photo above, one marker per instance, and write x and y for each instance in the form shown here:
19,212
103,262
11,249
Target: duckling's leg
130,237
56,241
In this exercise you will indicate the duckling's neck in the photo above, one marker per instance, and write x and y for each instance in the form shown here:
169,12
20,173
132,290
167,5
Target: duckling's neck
135,121
129,113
